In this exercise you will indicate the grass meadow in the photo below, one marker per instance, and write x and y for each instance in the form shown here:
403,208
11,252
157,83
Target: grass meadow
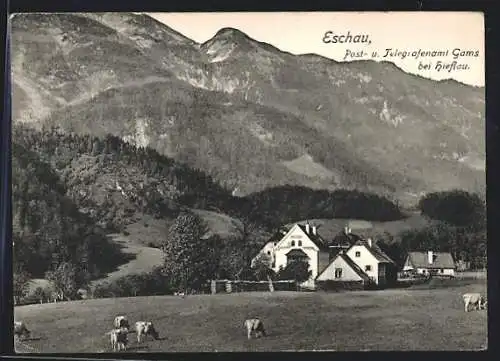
423,318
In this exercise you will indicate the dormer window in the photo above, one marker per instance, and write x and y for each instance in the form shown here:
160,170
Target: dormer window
293,243
300,243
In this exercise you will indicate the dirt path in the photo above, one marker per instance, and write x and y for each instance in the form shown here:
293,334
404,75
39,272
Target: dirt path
146,258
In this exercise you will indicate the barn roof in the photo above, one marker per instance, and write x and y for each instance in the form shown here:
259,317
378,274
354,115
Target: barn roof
344,240
441,260
375,251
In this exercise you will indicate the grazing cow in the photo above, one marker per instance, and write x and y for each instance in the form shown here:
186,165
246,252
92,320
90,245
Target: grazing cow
475,300
118,338
254,326
121,322
20,329
144,328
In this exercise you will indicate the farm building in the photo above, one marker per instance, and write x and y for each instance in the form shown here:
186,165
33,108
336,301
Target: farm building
344,271
362,261
430,263
300,242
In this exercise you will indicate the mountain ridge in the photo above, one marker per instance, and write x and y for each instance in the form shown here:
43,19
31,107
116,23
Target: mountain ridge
406,133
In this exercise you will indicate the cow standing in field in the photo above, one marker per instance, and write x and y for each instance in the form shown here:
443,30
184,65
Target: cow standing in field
475,300
256,327
20,330
144,328
118,339
121,322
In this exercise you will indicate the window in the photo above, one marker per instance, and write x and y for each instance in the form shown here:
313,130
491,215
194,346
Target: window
273,265
358,254
441,270
338,272
268,253
293,243
368,268
300,243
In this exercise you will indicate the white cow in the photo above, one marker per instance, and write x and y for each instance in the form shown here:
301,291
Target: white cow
20,329
256,327
121,322
118,338
144,328
475,300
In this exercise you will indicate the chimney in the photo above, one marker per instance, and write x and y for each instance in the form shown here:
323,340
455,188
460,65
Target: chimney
430,257
307,227
370,242
314,229
347,230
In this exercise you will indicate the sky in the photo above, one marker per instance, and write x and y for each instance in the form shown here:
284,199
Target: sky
416,34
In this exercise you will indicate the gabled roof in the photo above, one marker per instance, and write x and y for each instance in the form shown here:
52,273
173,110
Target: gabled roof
350,263
375,251
344,240
354,266
441,260
297,252
315,238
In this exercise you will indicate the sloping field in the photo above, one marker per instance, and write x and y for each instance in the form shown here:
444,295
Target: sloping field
401,319
329,228
145,259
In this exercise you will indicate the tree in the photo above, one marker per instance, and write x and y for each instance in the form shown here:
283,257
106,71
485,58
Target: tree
21,280
295,270
262,268
190,256
40,294
456,207
64,278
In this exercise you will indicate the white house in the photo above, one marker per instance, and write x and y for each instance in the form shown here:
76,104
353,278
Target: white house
300,242
363,261
372,260
426,263
343,269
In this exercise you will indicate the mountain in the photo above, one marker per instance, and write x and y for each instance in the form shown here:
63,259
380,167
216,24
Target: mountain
48,226
245,112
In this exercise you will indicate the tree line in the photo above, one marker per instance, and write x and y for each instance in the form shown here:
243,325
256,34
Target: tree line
61,221
459,227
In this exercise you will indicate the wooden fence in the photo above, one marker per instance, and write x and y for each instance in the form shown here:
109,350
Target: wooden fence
230,286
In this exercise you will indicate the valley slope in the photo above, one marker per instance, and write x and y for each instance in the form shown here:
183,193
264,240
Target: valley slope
245,112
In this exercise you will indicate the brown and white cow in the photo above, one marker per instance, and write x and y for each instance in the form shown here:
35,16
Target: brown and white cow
118,339
20,330
256,327
475,300
121,322
145,328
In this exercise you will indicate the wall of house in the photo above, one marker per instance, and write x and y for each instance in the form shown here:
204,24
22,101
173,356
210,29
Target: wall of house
284,246
348,273
365,259
281,259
